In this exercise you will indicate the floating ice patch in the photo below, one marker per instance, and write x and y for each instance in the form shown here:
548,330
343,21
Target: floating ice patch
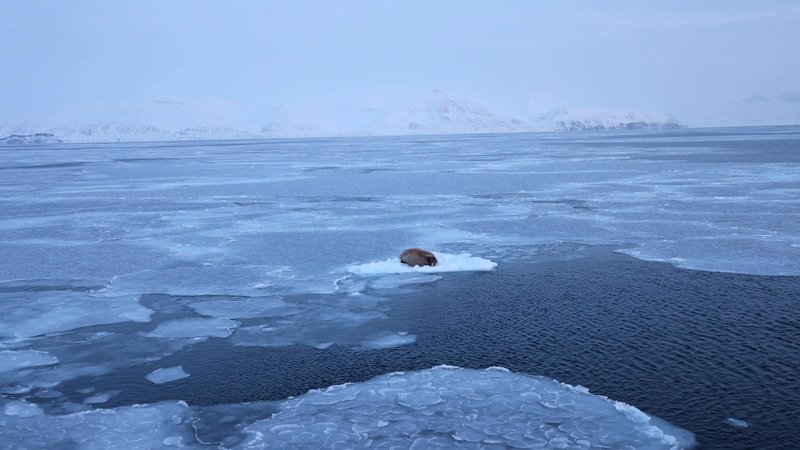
390,340
13,360
26,314
447,407
320,327
736,423
131,427
195,279
21,408
161,376
447,263
195,328
100,398
243,307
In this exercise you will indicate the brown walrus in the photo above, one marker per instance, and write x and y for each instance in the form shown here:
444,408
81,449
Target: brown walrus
418,257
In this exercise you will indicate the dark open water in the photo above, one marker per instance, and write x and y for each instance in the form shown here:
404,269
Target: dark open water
692,347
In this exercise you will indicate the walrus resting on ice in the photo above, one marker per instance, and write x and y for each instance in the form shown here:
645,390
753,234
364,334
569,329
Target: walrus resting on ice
418,257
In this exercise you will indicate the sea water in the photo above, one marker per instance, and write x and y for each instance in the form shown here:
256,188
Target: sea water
265,269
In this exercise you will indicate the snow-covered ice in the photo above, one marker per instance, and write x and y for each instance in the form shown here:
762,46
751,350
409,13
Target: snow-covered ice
450,407
463,262
442,407
165,375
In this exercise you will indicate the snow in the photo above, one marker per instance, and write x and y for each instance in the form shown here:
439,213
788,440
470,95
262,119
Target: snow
580,119
463,262
165,375
450,407
19,359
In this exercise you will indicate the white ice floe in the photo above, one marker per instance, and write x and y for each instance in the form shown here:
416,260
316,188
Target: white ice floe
20,359
390,340
21,408
447,407
243,307
736,423
165,375
160,425
463,262
26,314
219,327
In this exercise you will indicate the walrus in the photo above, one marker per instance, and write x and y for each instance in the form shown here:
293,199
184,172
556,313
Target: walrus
418,257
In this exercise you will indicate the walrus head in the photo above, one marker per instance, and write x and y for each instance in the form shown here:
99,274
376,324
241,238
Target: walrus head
418,257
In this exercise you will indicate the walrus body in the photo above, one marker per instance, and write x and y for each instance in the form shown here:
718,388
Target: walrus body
418,257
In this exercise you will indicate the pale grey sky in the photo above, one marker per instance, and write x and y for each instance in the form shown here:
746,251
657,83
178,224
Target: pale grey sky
708,63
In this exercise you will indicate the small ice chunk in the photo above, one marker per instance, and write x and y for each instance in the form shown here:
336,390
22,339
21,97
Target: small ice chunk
21,408
161,376
390,340
736,423
189,328
100,398
19,359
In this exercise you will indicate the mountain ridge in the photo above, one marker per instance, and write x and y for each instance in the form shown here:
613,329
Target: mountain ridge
436,114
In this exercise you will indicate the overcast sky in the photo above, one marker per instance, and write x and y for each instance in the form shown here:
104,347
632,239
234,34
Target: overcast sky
705,62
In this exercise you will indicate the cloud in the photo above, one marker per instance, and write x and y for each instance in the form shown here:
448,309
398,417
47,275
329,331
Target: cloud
790,97
756,99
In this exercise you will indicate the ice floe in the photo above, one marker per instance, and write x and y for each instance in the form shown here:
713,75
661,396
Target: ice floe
449,407
463,262
219,327
27,314
165,375
20,359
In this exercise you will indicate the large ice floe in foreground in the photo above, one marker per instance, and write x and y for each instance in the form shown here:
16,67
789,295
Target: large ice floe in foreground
446,407
442,407
463,262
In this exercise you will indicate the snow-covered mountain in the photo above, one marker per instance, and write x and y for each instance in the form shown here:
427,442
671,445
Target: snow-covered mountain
434,113
569,119
30,139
